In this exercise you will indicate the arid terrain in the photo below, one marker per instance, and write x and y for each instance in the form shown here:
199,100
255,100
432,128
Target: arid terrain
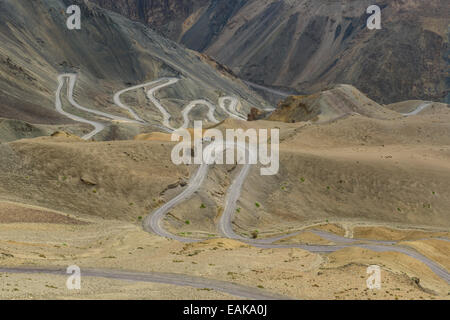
310,45
66,201
87,177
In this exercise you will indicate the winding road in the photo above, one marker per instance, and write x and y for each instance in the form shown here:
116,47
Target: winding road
153,222
119,103
186,110
71,79
232,109
98,127
419,109
267,89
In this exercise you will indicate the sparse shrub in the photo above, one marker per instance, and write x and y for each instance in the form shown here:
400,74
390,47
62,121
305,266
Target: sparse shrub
202,206
257,204
255,234
187,222
238,210
50,286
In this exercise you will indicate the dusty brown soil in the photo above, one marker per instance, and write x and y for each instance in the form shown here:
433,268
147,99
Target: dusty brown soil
123,246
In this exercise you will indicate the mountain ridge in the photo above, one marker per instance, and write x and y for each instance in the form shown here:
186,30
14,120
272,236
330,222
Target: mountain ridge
312,45
109,53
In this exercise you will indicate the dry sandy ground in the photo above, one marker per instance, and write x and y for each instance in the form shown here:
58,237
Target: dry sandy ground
19,213
357,177
113,244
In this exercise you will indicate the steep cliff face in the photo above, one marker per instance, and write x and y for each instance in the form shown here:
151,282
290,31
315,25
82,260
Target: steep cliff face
310,45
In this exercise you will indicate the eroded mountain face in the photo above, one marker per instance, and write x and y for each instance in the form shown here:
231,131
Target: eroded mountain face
310,45
109,53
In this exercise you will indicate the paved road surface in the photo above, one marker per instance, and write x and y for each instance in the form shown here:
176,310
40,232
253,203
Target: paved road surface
120,104
164,82
232,107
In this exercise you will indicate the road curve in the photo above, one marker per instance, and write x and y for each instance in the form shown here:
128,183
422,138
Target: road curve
226,229
418,110
165,82
226,225
187,109
98,127
155,101
232,109
192,105
153,222
72,80
267,89
158,277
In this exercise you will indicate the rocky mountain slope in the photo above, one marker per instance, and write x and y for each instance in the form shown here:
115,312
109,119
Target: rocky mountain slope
309,44
109,53
339,102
